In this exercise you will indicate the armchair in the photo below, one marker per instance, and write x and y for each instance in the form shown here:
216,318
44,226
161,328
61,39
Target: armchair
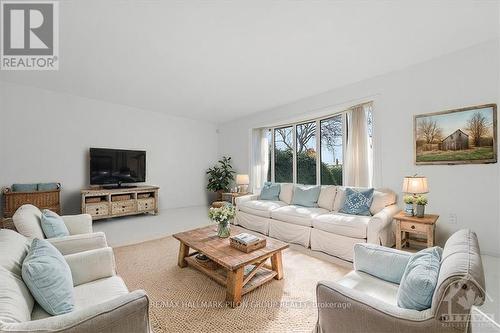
82,238
102,301
361,302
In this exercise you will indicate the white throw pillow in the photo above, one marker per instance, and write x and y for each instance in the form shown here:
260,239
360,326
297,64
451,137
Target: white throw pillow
339,198
327,197
286,193
27,219
381,199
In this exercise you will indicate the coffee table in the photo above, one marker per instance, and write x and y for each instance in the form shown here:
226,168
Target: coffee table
238,271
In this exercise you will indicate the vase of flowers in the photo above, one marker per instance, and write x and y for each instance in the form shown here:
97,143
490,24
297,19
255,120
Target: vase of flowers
421,202
222,216
409,200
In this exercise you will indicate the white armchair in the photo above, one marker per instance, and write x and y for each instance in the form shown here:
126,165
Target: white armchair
102,301
27,221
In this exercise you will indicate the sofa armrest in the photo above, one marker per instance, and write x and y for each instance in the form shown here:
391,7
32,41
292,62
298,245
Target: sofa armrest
126,313
78,224
239,200
79,243
91,265
380,230
340,309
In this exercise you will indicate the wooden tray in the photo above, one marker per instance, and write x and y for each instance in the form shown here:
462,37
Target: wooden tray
248,248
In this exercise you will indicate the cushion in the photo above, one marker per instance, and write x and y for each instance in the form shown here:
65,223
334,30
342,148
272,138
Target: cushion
27,219
339,199
357,201
327,197
13,249
286,193
354,226
270,192
48,277
53,225
88,294
369,285
260,207
381,199
306,196
16,301
420,279
297,214
47,186
24,187
382,262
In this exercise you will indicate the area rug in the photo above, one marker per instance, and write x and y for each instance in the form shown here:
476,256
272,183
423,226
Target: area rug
185,300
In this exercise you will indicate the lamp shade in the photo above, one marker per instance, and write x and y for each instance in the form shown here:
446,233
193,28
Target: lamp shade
242,180
415,185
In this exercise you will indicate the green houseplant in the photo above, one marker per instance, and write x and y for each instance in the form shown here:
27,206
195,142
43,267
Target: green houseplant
220,176
409,200
421,202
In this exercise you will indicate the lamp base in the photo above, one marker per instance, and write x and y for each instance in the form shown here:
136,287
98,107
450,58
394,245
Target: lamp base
242,189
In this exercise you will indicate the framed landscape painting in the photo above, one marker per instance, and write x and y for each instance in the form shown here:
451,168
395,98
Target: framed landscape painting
461,136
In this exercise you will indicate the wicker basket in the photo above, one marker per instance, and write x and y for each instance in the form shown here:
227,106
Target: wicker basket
42,199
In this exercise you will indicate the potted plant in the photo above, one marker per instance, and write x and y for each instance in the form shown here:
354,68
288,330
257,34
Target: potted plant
221,216
220,176
409,201
421,202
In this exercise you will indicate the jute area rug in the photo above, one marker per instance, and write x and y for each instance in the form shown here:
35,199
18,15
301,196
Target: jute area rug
185,300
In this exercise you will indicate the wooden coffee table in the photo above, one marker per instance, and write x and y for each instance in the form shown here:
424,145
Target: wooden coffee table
230,263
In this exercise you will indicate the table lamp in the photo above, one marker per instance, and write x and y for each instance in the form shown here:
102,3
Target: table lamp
242,181
415,185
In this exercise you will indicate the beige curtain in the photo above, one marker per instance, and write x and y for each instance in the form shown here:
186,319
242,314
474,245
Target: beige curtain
260,159
358,164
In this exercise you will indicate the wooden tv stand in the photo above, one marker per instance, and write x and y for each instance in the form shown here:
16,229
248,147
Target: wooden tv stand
101,203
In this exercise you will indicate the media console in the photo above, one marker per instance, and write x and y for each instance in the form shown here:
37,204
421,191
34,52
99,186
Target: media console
103,203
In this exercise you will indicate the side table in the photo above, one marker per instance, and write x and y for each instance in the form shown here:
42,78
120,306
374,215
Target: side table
423,226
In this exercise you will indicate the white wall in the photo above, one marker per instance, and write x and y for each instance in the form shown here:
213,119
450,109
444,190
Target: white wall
464,78
45,136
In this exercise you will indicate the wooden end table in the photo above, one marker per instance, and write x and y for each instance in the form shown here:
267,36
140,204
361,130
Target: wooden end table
230,271
419,225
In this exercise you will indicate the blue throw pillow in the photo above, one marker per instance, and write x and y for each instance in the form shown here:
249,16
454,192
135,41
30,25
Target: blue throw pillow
47,186
307,197
357,201
53,225
24,187
48,277
270,191
420,279
380,261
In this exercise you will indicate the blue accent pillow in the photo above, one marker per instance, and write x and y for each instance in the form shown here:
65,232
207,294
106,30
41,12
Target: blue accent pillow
383,262
24,187
47,186
53,225
48,277
357,201
270,191
420,279
306,196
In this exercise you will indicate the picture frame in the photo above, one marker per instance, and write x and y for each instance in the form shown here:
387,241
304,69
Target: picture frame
459,136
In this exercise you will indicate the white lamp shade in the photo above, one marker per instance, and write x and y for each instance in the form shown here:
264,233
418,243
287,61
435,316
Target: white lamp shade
415,185
242,180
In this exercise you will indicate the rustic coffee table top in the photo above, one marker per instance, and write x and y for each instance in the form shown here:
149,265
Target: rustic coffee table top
206,241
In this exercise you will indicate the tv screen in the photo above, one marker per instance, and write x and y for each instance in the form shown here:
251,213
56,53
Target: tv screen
116,166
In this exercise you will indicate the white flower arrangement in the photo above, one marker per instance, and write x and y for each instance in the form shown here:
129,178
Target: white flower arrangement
222,214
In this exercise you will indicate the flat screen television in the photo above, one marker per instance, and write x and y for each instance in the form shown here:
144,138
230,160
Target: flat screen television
117,166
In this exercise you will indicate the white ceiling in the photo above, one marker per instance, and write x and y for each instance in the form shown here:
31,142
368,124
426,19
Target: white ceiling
219,60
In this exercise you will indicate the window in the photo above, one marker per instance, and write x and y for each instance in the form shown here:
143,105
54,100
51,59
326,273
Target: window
332,150
311,152
306,153
283,155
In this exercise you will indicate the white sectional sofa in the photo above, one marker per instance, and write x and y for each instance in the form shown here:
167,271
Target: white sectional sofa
323,228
